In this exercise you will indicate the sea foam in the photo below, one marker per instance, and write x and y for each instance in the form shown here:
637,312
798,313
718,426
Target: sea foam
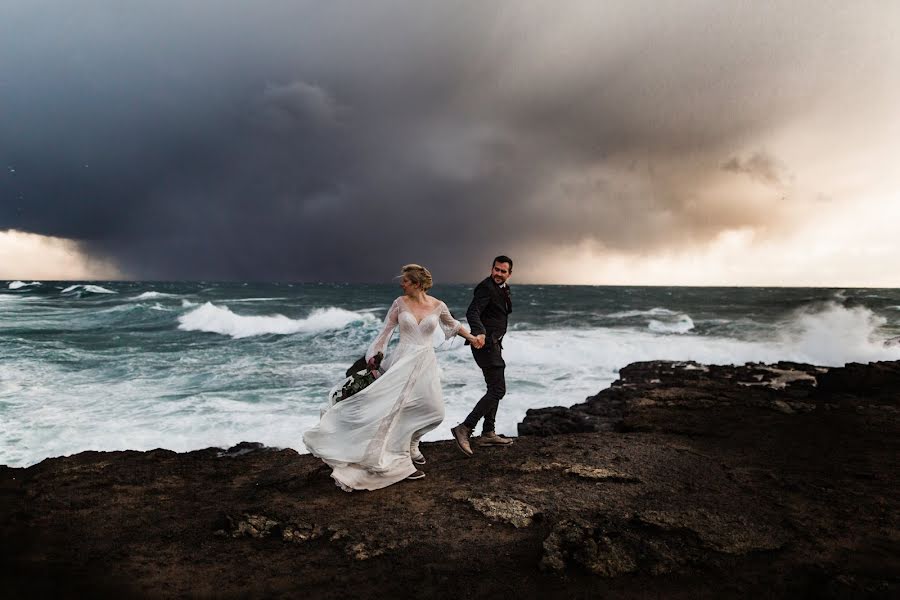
831,334
680,324
220,319
825,334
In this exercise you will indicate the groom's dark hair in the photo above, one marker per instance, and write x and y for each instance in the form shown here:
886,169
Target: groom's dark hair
501,259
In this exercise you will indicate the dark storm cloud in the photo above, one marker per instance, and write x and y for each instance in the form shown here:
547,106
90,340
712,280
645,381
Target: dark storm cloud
340,140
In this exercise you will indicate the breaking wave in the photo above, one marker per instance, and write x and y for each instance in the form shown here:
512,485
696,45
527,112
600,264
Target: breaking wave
680,324
80,290
17,285
153,296
219,319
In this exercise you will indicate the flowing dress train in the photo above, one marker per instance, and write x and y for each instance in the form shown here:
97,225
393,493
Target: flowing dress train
366,439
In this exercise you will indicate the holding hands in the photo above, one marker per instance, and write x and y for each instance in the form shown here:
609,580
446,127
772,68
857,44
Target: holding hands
477,342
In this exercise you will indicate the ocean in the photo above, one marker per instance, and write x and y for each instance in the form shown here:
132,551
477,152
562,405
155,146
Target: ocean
182,366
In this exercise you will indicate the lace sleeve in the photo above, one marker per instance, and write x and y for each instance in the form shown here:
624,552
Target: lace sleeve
449,325
390,323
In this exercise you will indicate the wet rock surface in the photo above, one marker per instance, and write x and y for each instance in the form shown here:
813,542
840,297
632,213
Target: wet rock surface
690,398
679,481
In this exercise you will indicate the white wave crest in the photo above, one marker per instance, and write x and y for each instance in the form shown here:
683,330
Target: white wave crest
152,296
87,289
187,304
15,285
682,324
660,320
253,299
216,319
653,312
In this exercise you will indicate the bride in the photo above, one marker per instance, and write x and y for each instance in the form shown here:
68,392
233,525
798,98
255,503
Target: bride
371,439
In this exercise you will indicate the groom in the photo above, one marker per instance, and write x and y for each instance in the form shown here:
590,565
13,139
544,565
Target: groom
487,316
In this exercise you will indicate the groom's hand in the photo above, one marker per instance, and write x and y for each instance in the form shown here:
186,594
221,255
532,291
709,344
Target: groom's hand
479,342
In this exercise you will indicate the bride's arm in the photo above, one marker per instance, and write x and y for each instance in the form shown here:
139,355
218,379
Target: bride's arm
390,323
453,327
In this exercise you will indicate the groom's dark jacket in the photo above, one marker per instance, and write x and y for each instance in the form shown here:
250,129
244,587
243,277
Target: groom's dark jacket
488,312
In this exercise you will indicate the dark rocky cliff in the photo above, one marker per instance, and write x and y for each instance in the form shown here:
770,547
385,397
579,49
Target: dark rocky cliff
681,480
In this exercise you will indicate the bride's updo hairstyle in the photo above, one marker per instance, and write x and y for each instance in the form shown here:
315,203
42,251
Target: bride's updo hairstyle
418,275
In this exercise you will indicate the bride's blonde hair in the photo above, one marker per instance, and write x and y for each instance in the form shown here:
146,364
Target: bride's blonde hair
418,275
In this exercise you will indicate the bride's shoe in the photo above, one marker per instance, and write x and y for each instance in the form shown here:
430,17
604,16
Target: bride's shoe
416,454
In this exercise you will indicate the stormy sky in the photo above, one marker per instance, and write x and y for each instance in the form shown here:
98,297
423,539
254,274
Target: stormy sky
595,142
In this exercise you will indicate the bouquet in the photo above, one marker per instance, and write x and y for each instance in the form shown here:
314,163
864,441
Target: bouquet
359,376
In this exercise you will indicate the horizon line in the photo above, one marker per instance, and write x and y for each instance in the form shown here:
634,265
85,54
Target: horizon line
515,284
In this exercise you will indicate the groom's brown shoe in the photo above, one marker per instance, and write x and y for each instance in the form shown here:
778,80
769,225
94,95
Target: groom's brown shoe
490,438
461,434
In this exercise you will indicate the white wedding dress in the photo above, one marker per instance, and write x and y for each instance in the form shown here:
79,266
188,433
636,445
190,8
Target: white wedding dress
367,438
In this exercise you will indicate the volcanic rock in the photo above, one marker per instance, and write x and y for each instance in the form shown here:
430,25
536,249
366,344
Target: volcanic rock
679,481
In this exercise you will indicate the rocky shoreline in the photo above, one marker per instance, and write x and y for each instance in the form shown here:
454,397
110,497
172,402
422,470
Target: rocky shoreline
679,481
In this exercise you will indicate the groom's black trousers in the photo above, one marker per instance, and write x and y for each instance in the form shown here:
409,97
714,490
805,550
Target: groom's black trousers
490,359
